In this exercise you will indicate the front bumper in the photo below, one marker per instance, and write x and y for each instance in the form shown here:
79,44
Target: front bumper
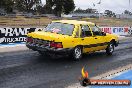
50,50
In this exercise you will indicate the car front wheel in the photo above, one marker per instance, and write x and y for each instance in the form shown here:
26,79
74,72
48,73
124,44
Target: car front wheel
110,49
77,53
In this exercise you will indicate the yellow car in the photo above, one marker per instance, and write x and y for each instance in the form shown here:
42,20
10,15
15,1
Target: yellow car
71,37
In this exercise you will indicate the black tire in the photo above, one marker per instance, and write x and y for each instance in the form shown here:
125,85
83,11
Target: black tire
85,82
43,53
110,48
77,53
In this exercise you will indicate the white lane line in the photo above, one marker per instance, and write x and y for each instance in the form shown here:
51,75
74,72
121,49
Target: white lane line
6,46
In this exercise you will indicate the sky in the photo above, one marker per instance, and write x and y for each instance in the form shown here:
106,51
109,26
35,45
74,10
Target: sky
117,6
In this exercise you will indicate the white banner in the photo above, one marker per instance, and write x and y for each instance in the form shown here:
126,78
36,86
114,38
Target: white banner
117,30
14,35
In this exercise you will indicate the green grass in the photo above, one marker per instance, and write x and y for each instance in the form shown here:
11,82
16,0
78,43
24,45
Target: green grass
110,21
20,21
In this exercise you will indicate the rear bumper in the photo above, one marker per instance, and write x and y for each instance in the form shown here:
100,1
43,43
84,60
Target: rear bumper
50,50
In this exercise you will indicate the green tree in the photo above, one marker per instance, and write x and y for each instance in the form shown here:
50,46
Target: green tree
26,5
39,9
7,5
127,12
88,10
68,6
60,6
2,3
79,10
109,13
48,6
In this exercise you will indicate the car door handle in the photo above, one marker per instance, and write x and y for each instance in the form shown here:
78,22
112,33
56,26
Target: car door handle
95,38
82,39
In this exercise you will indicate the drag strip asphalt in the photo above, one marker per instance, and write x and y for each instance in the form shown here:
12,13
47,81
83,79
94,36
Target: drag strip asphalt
28,69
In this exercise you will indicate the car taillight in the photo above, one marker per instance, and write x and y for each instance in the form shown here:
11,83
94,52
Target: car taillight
52,44
29,39
56,45
59,45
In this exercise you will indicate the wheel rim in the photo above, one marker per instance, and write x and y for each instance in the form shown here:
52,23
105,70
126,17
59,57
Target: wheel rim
111,48
78,53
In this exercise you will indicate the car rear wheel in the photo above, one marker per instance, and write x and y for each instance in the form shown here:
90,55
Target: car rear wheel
110,49
77,53
43,53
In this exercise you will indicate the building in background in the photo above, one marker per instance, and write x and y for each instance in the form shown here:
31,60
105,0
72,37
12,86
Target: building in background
123,16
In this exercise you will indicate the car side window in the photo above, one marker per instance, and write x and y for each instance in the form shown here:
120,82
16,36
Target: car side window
77,33
96,30
85,31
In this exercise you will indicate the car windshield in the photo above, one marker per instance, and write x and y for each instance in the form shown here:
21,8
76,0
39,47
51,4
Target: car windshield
60,28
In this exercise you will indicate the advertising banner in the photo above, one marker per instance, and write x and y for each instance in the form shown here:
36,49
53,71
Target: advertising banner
116,30
106,29
15,35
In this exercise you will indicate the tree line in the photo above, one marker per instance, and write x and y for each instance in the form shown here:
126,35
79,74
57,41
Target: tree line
35,6
51,7
107,13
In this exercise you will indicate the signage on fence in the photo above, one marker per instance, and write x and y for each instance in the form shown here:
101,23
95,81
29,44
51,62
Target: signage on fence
120,30
106,29
15,35
117,30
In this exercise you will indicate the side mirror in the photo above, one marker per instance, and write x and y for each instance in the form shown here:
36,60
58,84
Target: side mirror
103,33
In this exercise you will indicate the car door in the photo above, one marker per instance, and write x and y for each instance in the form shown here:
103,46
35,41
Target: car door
87,40
100,39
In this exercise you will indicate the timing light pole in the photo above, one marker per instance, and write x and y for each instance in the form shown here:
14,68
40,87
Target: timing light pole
99,9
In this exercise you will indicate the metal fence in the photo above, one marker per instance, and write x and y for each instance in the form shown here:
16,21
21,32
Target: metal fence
124,16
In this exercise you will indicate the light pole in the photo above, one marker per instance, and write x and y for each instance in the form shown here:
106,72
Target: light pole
127,16
99,8
129,5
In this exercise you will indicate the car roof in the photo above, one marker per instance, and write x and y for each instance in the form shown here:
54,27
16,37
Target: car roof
74,22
